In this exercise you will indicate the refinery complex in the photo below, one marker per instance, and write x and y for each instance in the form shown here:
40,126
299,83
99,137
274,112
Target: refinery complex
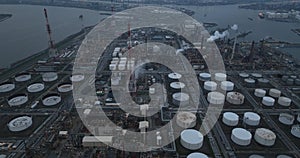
42,115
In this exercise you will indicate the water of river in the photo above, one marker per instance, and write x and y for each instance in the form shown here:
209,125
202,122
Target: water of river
25,33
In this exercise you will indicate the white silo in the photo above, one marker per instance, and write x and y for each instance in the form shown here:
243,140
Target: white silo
51,99
274,93
260,93
244,75
205,76
249,82
22,77
284,101
268,101
230,119
197,155
191,139
6,87
227,85
241,136
20,123
265,137
220,77
77,77
263,81
49,76
181,99
17,100
251,118
210,85
215,98
177,85
174,76
286,118
186,119
235,98
295,131
35,87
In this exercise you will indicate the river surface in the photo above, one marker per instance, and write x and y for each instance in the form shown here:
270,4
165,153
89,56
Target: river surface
25,32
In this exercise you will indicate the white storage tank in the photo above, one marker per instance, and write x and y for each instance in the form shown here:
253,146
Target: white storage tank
290,81
65,87
112,67
22,77
220,77
285,78
265,137
35,87
186,119
197,155
17,100
295,131
256,156
181,99
177,85
210,85
174,76
20,124
256,75
51,99
49,76
268,101
205,76
77,77
241,136
122,66
286,118
263,81
283,156
227,85
249,81
191,139
274,93
244,75
230,119
260,93
215,98
115,81
251,118
297,82
235,98
7,87
284,101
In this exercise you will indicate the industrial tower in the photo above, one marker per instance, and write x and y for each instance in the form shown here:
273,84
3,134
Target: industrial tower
52,50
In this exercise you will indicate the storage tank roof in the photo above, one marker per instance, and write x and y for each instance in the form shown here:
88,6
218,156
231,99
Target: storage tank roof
241,134
181,96
197,155
20,123
204,75
36,87
77,78
256,156
177,85
191,136
22,77
244,75
6,87
249,80
265,134
174,75
257,75
231,116
252,116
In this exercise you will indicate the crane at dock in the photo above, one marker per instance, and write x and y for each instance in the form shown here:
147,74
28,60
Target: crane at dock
52,49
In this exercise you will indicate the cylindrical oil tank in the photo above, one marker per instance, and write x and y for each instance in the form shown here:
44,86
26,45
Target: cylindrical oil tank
241,136
174,76
65,87
244,75
220,77
286,118
256,75
51,99
210,85
295,131
216,98
204,76
284,101
263,81
256,156
177,85
235,98
112,67
285,78
249,82
274,93
293,76
268,101
191,139
265,137
251,118
6,87
49,76
230,119
260,93
283,156
186,119
197,155
20,124
35,87
181,99
17,100
227,85
297,82
77,77
22,77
